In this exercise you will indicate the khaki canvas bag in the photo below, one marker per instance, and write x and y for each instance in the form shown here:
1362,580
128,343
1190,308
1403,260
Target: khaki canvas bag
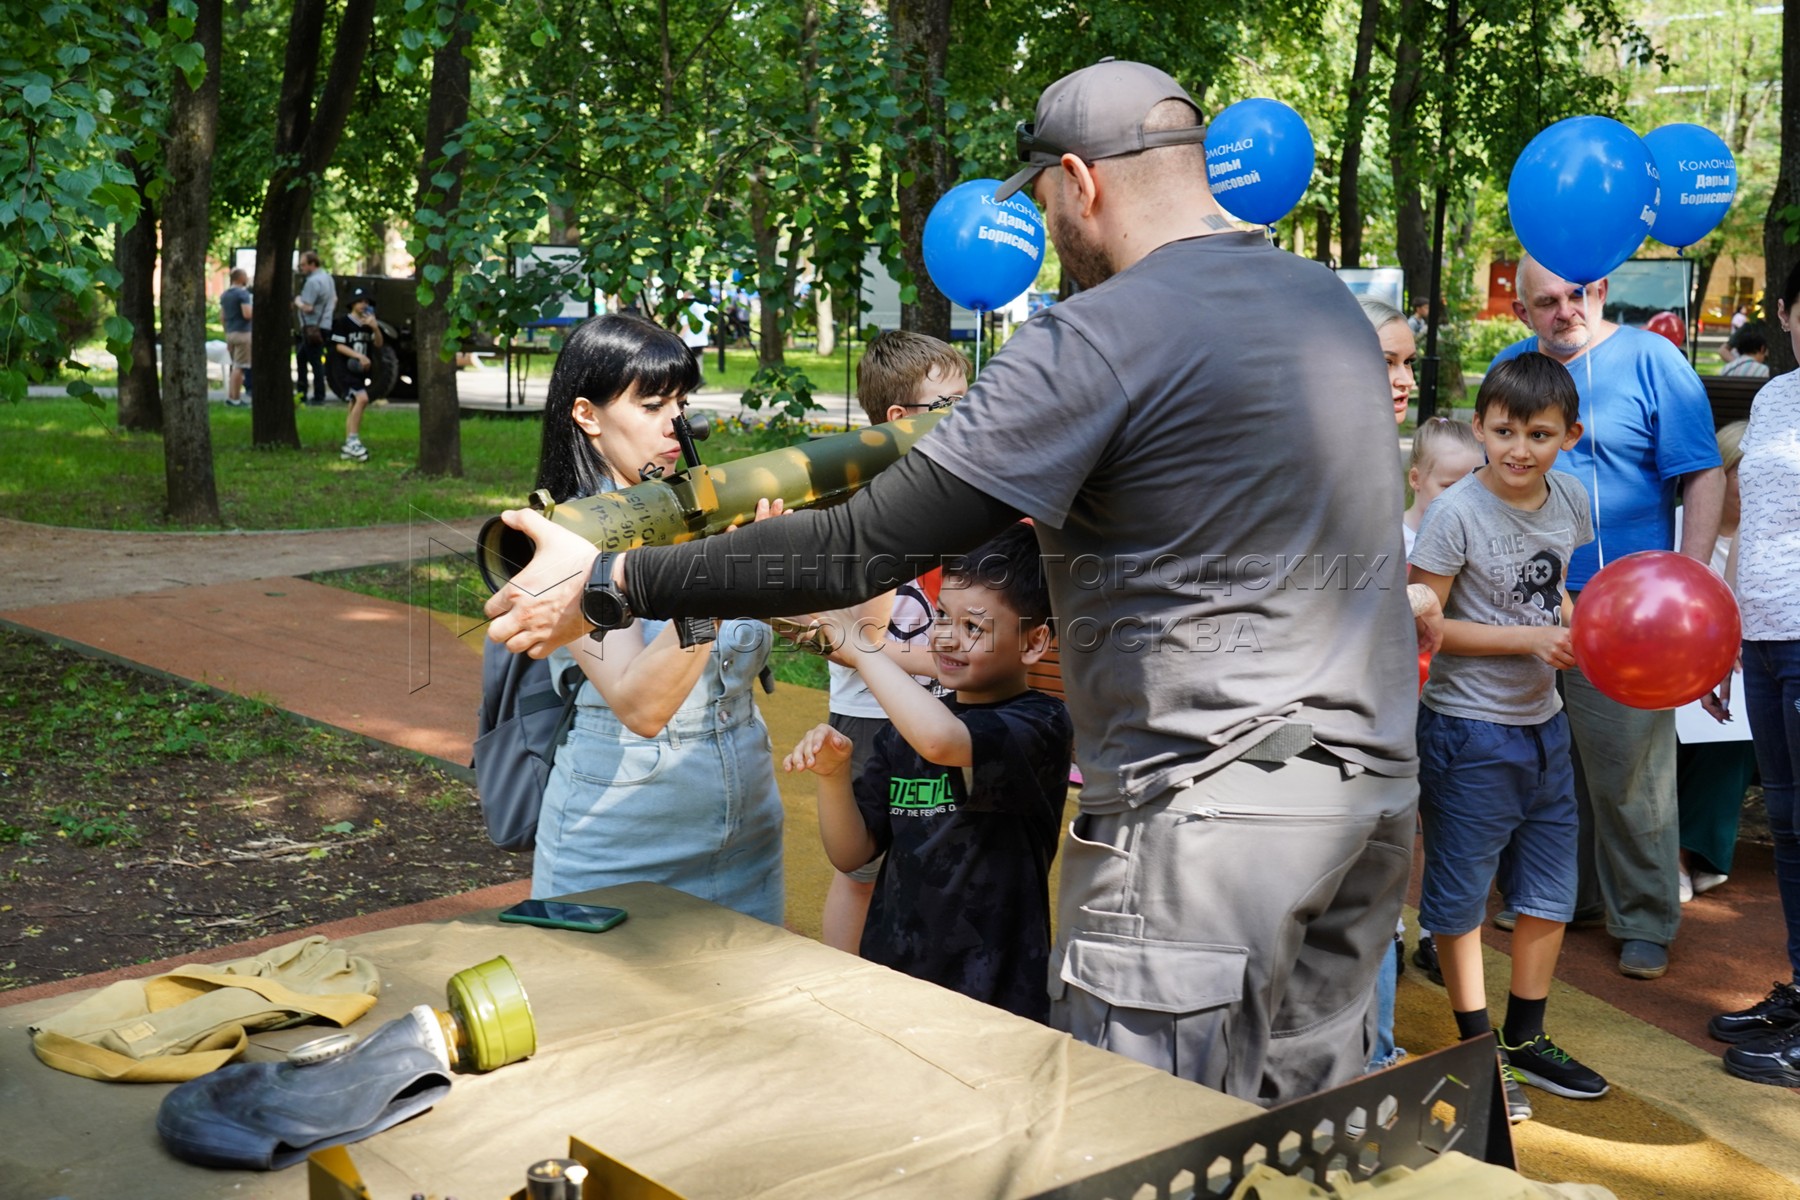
195,1019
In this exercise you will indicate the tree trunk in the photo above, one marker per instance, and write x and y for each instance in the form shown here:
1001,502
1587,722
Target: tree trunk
921,40
187,229
305,140
134,254
375,259
1322,235
1779,256
822,314
440,425
1703,270
565,224
1412,240
1356,116
771,320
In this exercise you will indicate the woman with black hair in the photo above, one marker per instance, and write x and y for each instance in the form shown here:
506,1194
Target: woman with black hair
668,774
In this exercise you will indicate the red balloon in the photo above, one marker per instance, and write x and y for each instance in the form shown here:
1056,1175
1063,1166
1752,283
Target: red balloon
1672,326
1656,629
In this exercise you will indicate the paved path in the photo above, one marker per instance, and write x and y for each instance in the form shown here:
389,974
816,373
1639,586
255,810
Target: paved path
42,565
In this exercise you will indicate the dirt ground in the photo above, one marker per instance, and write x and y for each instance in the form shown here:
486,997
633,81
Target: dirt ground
140,820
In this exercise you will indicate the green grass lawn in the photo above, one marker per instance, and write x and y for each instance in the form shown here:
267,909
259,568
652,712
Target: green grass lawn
826,374
65,464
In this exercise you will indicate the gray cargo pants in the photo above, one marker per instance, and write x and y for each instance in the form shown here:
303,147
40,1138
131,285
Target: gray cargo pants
1230,931
1630,823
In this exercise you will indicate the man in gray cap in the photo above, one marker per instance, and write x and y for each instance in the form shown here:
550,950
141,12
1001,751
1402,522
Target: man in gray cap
1218,519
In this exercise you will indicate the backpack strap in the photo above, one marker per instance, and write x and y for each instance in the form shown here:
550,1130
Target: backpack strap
571,687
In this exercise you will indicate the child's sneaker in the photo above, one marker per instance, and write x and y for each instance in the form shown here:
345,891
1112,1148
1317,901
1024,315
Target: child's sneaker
355,452
1518,1108
1543,1064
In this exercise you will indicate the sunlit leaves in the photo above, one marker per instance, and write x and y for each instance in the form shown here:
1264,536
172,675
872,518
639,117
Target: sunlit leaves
61,132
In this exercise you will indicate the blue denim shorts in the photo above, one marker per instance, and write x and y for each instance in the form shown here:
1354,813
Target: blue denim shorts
1498,805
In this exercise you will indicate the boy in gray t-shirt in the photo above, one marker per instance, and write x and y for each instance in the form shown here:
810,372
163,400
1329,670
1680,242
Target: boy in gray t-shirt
1496,783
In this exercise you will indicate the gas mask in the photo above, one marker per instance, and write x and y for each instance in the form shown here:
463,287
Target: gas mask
337,1089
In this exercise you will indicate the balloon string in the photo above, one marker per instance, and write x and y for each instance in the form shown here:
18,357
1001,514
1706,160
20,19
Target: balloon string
980,331
1593,430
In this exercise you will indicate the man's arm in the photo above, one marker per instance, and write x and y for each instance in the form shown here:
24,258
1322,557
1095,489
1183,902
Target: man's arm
1702,502
244,307
903,523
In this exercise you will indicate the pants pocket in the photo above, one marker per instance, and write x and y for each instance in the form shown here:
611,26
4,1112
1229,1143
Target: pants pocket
1169,1005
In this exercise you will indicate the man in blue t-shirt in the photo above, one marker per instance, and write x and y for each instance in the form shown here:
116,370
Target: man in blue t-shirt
1648,438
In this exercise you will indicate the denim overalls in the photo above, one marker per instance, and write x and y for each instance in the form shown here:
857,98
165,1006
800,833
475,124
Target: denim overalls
695,807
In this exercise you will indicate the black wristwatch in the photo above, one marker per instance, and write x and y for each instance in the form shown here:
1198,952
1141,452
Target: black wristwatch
604,605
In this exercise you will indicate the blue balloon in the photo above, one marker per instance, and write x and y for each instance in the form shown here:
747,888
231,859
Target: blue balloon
982,252
1582,196
1259,160
1699,181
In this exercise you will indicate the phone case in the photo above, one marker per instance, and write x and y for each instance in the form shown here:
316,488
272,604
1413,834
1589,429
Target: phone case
595,926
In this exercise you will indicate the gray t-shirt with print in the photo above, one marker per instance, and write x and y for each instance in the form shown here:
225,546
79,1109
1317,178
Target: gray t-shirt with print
1217,510
1510,566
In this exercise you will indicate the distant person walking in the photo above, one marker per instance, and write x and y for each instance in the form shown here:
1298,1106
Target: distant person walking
355,337
234,313
317,305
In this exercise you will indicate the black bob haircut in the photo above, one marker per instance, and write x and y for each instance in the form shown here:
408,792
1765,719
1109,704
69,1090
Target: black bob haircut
601,360
1011,564
1525,386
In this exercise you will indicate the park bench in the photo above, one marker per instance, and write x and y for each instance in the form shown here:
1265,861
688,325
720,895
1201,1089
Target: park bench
1730,396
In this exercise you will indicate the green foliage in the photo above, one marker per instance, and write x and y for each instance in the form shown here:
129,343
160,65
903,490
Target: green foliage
1480,341
686,147
79,84
91,824
787,394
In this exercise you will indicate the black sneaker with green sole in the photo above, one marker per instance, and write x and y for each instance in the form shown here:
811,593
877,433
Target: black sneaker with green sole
1543,1064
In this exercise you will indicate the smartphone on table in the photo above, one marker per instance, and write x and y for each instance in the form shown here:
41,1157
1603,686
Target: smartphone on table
560,914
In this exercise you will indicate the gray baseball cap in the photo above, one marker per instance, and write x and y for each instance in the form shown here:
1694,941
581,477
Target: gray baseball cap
1098,112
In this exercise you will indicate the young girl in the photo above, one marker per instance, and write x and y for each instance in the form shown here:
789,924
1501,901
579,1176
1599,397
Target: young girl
1443,452
667,775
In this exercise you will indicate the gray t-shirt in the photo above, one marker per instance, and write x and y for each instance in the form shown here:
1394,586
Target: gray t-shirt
231,309
1216,503
1510,567
320,292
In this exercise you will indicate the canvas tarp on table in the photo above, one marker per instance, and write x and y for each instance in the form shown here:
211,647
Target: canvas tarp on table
719,1055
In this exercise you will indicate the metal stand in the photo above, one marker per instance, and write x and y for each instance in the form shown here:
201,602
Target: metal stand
1405,1116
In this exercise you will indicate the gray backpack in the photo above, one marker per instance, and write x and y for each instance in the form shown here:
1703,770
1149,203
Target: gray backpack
522,720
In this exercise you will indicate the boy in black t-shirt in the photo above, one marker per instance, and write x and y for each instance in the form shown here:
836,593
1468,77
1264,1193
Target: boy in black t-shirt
354,335
964,794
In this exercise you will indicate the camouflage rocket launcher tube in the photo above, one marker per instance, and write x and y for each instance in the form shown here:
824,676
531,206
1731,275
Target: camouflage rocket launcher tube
702,500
